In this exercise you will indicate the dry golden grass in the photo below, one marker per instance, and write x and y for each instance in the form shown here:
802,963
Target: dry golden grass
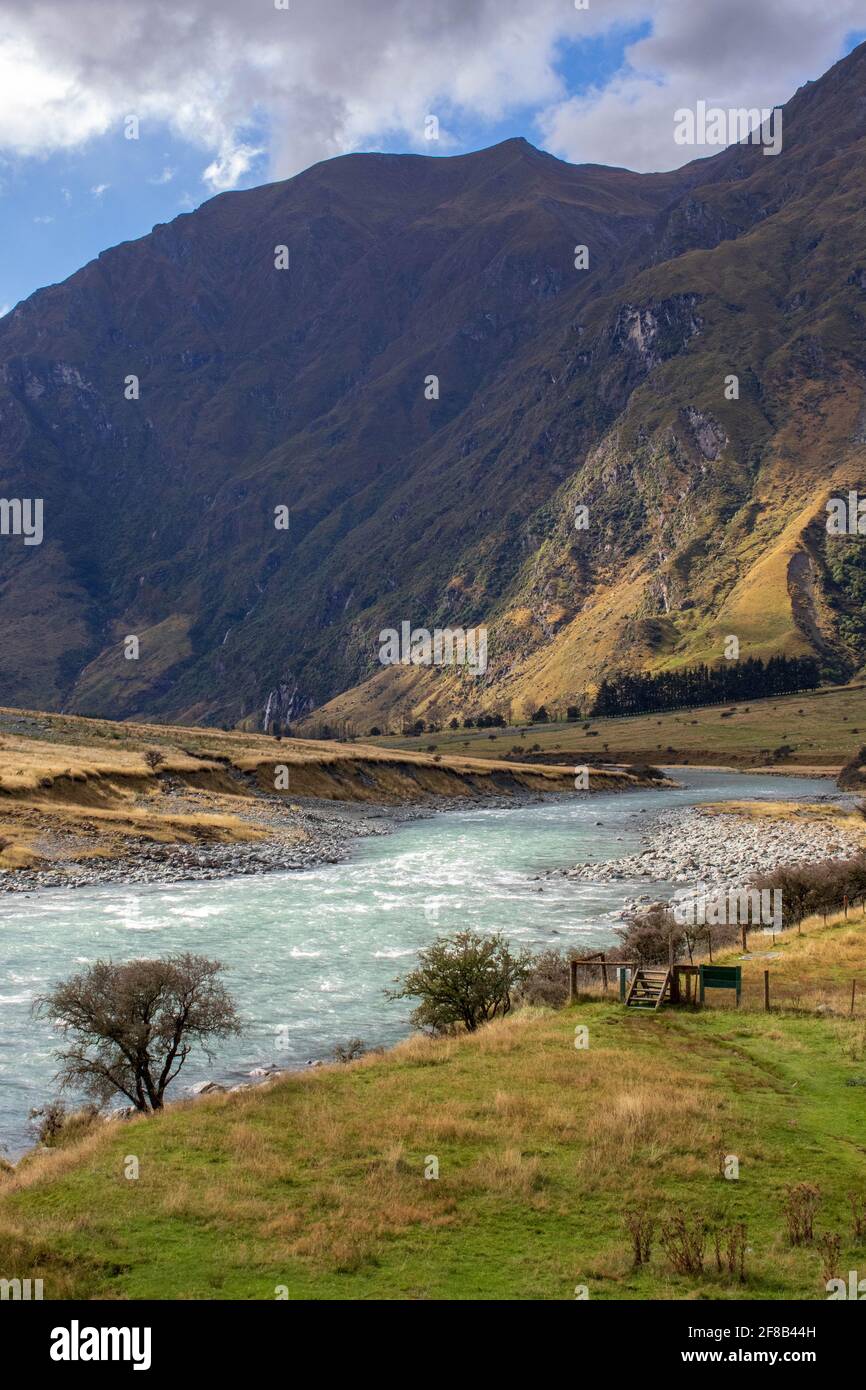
507,1170
835,817
833,953
87,784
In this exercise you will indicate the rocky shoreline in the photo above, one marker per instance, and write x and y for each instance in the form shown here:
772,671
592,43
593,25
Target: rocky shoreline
327,830
720,849
307,834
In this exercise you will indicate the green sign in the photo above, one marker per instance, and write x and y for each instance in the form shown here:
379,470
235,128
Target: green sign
721,977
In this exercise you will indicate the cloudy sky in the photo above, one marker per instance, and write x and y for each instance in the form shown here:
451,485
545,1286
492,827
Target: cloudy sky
231,93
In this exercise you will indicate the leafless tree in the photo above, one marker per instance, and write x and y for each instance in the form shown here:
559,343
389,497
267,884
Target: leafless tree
132,1026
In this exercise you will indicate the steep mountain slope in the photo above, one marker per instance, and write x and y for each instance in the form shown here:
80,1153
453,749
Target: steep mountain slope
305,388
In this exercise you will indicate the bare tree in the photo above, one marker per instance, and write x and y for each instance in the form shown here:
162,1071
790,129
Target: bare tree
154,758
132,1026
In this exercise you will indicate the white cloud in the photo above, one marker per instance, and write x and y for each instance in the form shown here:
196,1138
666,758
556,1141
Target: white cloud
323,78
44,220
739,54
330,76
43,104
165,177
4,309
229,167
99,188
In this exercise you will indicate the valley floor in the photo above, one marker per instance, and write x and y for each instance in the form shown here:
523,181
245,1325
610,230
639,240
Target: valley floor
815,731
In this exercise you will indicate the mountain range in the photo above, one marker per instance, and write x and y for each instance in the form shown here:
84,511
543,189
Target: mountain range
273,354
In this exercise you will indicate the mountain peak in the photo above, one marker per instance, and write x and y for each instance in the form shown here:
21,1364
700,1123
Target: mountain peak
431,381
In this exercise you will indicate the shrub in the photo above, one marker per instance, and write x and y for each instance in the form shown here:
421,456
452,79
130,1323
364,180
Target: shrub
547,981
801,1203
463,981
858,1214
54,1125
820,887
641,1227
828,1248
349,1051
683,1242
649,935
154,758
730,1248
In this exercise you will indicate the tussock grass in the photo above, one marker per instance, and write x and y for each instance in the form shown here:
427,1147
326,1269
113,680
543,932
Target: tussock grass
320,1178
317,1181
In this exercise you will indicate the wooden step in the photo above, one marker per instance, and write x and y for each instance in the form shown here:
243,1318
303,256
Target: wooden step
648,989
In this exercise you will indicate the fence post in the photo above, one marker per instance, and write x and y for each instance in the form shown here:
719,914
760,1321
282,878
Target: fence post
572,982
766,991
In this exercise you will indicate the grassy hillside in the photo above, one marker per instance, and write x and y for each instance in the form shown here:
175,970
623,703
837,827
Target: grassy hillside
822,729
316,1183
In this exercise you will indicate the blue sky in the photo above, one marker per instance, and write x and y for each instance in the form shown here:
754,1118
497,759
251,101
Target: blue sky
59,207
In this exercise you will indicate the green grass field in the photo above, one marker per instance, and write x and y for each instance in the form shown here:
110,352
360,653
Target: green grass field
316,1184
822,729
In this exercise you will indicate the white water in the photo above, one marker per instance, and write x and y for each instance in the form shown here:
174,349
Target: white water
309,954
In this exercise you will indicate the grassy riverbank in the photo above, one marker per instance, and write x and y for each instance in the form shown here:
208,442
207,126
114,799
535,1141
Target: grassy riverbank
316,1182
76,792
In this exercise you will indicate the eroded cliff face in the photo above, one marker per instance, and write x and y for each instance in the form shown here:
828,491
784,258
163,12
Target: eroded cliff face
433,391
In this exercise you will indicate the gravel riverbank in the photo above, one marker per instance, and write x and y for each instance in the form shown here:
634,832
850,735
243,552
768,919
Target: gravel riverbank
302,835
691,846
